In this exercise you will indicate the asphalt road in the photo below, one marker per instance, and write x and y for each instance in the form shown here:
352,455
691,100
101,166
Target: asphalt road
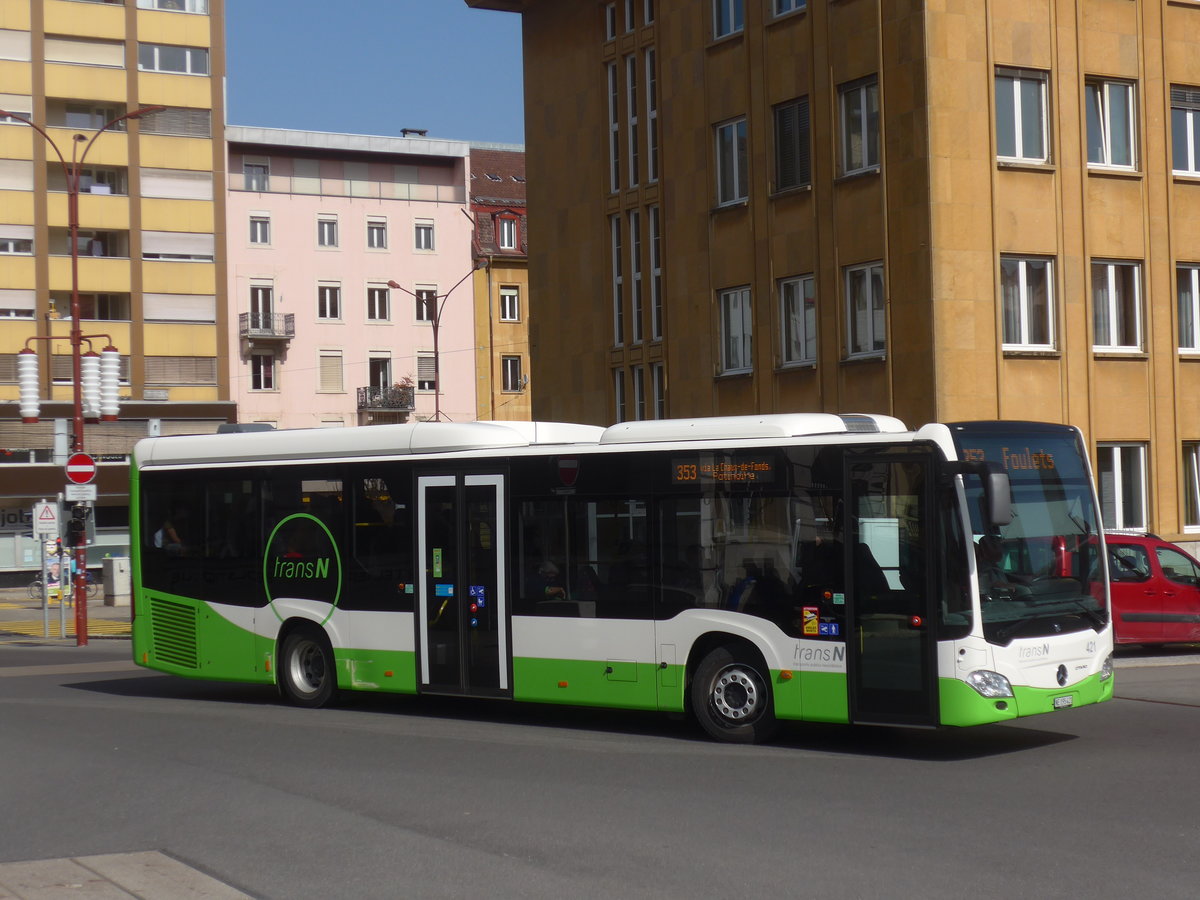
450,798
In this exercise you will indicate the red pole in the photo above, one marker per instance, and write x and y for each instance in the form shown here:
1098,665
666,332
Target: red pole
81,611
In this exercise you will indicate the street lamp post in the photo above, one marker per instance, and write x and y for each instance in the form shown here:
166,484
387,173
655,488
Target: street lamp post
439,302
72,173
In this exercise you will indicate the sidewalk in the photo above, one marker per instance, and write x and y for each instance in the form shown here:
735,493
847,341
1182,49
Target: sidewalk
22,619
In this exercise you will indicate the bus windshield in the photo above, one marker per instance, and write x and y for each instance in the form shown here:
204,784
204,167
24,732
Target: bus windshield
1042,573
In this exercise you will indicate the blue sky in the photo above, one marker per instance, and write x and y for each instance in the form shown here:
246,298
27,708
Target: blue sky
375,67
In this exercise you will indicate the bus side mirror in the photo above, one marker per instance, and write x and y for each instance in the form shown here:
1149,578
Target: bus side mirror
997,495
997,490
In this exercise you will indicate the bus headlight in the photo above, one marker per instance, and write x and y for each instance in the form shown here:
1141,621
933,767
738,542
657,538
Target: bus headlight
990,684
1106,670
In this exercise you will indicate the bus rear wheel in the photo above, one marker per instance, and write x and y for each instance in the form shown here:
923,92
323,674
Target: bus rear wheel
306,672
731,697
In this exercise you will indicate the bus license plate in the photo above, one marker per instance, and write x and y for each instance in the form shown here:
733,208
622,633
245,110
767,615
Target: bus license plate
1063,702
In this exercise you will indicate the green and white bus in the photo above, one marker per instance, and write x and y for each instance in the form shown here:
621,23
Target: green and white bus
745,569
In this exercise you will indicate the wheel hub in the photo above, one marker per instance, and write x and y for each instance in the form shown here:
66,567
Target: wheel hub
735,695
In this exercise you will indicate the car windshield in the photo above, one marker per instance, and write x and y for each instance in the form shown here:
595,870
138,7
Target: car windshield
1039,574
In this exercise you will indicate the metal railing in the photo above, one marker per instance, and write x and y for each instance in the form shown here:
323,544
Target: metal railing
395,397
267,325
346,187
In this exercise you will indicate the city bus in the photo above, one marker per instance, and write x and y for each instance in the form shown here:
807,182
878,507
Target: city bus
743,570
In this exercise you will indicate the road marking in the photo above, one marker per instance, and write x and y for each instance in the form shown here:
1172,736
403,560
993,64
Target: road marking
34,628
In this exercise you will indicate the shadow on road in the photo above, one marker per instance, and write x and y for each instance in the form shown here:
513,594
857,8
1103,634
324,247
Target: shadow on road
932,745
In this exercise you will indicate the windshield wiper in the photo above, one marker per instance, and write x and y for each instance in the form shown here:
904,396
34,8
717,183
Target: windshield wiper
1004,633
1092,613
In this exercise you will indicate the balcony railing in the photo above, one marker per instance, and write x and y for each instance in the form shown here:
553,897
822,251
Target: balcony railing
344,187
395,397
281,326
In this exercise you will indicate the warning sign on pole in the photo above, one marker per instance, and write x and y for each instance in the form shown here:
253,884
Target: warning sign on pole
45,518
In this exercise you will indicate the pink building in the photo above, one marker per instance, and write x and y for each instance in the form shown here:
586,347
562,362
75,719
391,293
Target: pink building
318,226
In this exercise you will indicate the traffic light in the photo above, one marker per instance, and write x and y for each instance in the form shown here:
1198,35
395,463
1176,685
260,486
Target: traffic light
77,525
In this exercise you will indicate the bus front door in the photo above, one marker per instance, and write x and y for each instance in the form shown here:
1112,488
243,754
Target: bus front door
892,649
461,610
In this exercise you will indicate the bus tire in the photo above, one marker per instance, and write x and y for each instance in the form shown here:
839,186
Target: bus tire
731,696
306,671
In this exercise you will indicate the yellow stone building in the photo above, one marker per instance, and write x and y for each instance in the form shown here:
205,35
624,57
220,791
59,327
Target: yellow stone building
151,234
941,211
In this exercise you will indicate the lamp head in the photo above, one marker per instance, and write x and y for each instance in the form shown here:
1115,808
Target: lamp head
393,285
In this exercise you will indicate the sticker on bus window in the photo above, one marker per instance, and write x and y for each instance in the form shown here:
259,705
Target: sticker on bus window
830,629
478,590
839,599
443,590
437,562
812,621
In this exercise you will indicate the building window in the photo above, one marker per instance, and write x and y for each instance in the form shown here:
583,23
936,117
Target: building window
659,384
1021,116
191,6
656,294
736,330
426,299
866,322
649,12
507,228
787,6
329,301
639,393
1188,280
731,162
1185,130
327,231
1121,481
631,103
377,233
176,60
618,280
1110,124
13,245
637,310
728,17
510,373
614,130
792,165
859,104
262,307
651,116
178,120
329,372
798,320
262,371
257,176
619,395
1116,305
379,304
610,21
1027,298
510,303
1191,486
423,233
426,372
260,229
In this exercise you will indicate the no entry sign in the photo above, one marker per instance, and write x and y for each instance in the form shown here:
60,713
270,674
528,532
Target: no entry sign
81,468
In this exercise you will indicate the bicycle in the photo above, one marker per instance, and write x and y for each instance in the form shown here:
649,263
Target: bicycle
93,586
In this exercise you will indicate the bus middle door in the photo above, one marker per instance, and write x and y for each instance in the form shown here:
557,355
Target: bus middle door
892,649
462,616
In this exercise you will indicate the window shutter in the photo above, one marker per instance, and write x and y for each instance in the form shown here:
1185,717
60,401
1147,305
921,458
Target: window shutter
330,373
425,369
1185,97
177,184
178,120
85,52
168,370
14,45
16,175
178,243
22,104
18,299
179,307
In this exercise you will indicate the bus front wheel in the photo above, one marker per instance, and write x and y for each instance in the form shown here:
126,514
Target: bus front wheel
731,697
306,672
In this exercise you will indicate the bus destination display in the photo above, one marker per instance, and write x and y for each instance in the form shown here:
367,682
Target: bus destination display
709,470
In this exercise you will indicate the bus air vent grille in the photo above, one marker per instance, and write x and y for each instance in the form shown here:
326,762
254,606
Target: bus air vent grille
174,630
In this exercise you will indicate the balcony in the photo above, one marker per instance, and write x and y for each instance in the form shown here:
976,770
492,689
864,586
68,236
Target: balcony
397,397
267,326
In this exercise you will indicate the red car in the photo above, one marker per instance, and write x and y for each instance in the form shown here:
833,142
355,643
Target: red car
1155,590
